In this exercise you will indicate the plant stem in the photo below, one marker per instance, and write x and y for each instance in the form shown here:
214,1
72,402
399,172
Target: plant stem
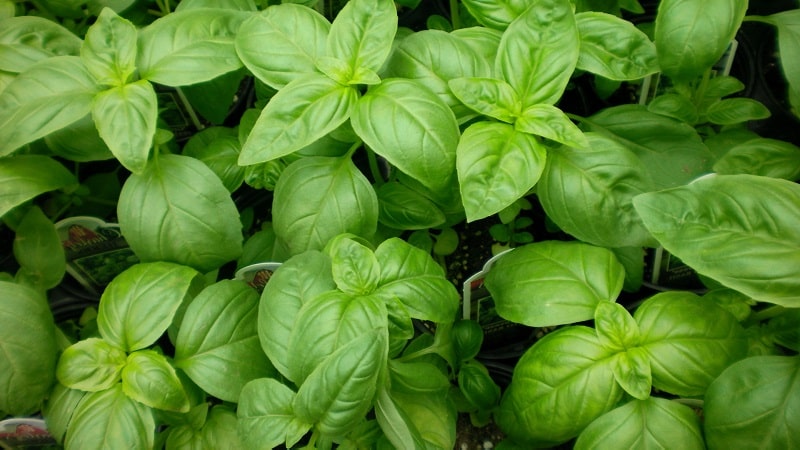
765,314
454,16
691,402
374,168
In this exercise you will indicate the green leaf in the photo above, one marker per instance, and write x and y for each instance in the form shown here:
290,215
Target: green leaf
412,276
61,402
733,229
126,118
25,40
614,48
138,305
632,372
218,148
477,386
550,122
731,111
27,349
287,56
217,345
190,46
496,166
395,423
150,379
552,283
266,415
178,210
761,156
496,14
50,95
650,423
220,430
539,52
675,106
318,198
79,141
691,36
306,109
403,208
615,327
109,49
689,341
560,385
417,377
91,365
432,415
426,147
754,403
788,25
362,34
356,270
110,419
38,250
23,177
488,96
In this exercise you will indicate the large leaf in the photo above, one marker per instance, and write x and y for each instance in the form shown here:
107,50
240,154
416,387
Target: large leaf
149,378
109,49
24,177
38,250
740,230
553,282
318,198
217,345
362,34
266,415
178,210
27,349
288,55
138,305
50,95
614,48
755,403
25,40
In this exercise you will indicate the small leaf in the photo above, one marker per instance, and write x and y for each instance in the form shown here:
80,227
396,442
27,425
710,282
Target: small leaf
731,111
150,379
23,177
356,270
218,148
91,365
362,34
488,96
614,48
38,249
676,106
550,122
494,14
109,49
266,415
632,372
616,328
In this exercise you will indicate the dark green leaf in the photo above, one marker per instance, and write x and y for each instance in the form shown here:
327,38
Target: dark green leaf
788,24
150,379
731,111
38,250
406,209
91,365
218,148
477,386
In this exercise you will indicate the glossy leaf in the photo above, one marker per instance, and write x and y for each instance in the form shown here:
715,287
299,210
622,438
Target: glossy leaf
426,147
303,111
761,156
651,423
126,118
218,148
496,14
362,34
731,111
417,377
788,26
394,422
23,177
38,250
178,210
27,349
632,372
109,49
496,166
150,379
403,208
433,416
676,106
50,95
488,96
190,46
61,402
217,345
734,229
615,327
25,40
550,122
552,283
356,270
614,48
138,305
266,415
91,365
477,386
288,56
546,38
754,403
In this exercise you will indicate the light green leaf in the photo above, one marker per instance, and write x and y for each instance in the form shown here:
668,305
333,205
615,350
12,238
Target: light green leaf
50,95
362,34
218,148
38,250
488,96
614,48
149,378
80,142
761,156
178,210
25,40
306,109
24,177
731,111
496,166
288,55
632,372
109,49
395,424
550,122
734,229
496,14
61,402
356,270
220,431
552,283
266,415
91,365
138,305
433,415
126,118
615,327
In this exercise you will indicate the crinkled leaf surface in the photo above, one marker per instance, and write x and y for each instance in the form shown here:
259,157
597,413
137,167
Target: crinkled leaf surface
614,48
109,49
761,156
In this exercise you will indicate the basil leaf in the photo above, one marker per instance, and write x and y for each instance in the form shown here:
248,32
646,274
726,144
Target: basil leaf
50,95
426,149
38,250
553,282
403,208
496,166
237,5
651,423
220,431
190,46
318,198
81,142
567,371
761,156
25,40
305,110
496,14
632,372
109,49
589,193
691,36
126,118
356,270
417,378
412,276
178,210
710,226
110,419
57,411
433,416
362,34
266,415
218,148
731,111
788,25
550,122
91,365
545,37
217,345
488,96
23,177
689,341
754,403
675,106
287,56
615,327
150,379
614,48
27,349
394,422
138,305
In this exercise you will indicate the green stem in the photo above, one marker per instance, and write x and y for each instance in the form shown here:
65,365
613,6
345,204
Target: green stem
416,354
766,314
760,19
374,168
691,402
454,16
